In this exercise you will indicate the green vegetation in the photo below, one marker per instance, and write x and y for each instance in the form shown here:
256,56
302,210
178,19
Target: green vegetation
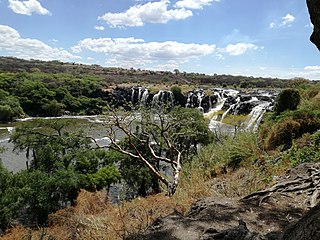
41,94
305,149
287,99
154,140
282,127
62,162
10,108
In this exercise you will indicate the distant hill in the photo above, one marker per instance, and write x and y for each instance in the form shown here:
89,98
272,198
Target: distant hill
135,76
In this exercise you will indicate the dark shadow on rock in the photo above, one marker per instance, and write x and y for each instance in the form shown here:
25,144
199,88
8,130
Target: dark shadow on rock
157,235
241,232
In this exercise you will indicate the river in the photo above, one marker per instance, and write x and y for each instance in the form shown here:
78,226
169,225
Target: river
15,160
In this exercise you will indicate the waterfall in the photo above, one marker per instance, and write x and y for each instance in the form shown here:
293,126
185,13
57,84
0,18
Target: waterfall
144,97
256,115
218,105
188,104
200,95
139,93
163,97
232,106
254,104
132,95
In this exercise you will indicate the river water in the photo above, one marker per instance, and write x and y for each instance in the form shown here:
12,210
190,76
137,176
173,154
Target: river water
15,160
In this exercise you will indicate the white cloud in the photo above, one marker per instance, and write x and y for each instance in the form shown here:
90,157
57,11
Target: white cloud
272,25
309,25
166,67
28,7
285,22
312,68
194,4
288,19
11,41
151,12
100,28
133,52
239,48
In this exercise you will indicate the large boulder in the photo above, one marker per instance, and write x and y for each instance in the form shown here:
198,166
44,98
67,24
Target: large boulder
314,11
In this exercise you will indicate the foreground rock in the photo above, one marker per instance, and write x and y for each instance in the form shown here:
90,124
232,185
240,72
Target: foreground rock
314,11
274,213
307,228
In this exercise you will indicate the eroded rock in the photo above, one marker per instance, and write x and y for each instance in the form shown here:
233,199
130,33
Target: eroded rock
314,11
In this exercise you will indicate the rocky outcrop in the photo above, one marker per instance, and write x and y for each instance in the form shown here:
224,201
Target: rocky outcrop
241,102
281,212
314,11
307,228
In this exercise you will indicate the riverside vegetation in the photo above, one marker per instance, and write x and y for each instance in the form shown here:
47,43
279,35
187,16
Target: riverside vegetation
64,192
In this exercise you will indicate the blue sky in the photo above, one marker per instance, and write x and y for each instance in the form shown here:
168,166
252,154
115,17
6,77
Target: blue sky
267,38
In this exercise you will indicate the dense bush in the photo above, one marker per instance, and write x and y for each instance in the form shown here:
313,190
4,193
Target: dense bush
282,134
289,126
310,152
287,99
176,89
9,107
228,154
51,94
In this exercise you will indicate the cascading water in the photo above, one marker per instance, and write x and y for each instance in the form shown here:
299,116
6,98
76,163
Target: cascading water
144,97
188,104
255,116
162,97
217,106
200,96
254,105
232,107
139,95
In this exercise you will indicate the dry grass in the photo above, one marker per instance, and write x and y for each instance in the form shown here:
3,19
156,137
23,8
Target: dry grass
94,217
155,87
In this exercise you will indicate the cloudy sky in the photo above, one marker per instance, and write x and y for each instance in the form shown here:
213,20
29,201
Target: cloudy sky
239,37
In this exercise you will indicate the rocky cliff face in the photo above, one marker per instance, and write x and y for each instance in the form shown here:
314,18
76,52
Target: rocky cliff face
314,11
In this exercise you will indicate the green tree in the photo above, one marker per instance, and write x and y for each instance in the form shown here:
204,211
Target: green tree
158,137
9,107
53,108
8,203
61,163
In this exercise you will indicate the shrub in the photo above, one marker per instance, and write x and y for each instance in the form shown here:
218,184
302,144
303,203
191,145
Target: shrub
231,154
288,99
308,153
176,89
282,134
